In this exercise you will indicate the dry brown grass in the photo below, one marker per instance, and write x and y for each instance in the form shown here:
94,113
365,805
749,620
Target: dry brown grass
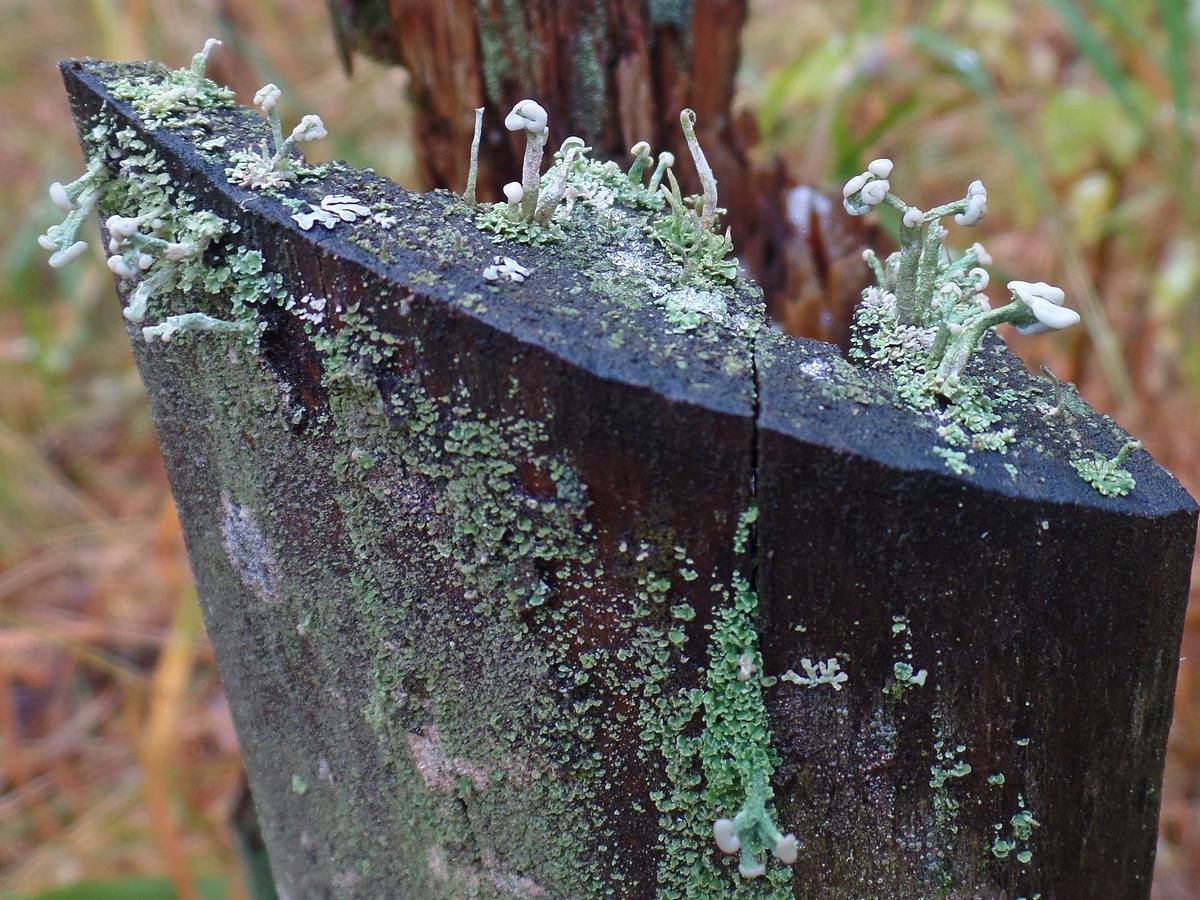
118,756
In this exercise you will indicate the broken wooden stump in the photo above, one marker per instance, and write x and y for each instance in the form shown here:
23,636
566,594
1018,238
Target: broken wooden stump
526,565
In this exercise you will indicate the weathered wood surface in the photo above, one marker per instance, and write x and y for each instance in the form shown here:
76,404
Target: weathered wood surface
462,551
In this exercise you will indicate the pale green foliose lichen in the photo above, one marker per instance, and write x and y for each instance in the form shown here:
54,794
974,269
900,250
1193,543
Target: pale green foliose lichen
1106,475
180,98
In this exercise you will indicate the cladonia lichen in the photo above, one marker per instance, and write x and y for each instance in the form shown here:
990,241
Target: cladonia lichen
159,242
736,745
181,98
1106,475
938,301
925,324
269,168
538,208
457,504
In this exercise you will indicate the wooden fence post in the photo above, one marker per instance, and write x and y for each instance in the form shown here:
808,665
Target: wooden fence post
526,565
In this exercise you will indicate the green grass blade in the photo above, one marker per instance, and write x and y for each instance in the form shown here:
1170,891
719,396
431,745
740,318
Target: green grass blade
1096,50
1177,65
1179,43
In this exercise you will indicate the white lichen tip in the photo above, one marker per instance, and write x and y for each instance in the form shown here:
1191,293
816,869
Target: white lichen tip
865,191
528,115
913,217
120,228
311,128
60,198
266,98
573,145
985,258
66,255
726,837
119,266
513,192
1046,303
755,871
209,44
875,191
976,205
786,849
880,168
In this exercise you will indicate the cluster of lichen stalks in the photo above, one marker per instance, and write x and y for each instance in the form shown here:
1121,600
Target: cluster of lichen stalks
161,246
753,824
931,291
535,205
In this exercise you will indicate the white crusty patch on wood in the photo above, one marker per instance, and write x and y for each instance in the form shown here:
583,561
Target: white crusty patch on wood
249,551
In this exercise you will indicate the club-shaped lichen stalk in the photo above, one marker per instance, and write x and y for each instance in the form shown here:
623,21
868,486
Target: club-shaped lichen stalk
641,159
529,116
708,208
78,200
666,159
200,60
556,185
473,171
311,128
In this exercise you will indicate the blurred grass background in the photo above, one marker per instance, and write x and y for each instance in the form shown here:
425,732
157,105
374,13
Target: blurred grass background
117,758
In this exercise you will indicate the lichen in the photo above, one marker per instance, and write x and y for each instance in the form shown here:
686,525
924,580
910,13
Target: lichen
540,209
455,508
1106,475
176,98
925,326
